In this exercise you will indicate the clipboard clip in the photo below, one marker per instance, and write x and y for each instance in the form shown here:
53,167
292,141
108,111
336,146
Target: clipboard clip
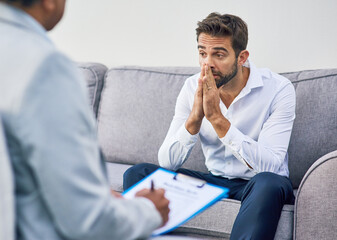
190,180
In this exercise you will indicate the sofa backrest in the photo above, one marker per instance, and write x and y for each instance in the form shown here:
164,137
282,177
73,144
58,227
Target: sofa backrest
135,113
315,128
137,106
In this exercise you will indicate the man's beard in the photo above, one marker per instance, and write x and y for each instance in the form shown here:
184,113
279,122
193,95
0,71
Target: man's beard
224,79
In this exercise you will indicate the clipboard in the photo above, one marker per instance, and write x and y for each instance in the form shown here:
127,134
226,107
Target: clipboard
188,196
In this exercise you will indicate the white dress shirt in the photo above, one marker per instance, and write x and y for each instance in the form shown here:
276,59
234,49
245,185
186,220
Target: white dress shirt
61,190
261,118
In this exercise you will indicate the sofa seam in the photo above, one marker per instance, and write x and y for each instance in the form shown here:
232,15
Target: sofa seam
313,78
304,179
151,71
184,74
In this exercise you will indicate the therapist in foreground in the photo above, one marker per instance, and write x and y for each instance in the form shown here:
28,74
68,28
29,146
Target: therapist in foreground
61,190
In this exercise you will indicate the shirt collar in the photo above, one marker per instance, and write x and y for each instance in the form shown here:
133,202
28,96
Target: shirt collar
18,17
255,78
254,81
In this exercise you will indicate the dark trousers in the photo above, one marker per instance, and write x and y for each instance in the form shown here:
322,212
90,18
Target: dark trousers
262,198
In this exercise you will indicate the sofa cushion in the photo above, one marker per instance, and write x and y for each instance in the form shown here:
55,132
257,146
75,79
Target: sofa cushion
115,175
226,210
315,128
136,110
94,75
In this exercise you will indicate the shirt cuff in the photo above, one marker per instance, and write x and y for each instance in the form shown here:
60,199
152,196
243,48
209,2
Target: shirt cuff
185,138
233,140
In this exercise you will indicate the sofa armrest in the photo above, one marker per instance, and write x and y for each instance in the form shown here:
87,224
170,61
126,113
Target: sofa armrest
315,214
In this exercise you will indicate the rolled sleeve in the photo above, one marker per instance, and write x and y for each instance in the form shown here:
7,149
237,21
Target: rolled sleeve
234,140
185,138
176,148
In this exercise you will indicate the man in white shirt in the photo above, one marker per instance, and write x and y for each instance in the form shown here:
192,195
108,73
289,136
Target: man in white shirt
61,189
243,117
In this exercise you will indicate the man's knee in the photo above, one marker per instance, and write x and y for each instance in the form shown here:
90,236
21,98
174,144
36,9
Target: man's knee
140,168
268,179
271,184
136,173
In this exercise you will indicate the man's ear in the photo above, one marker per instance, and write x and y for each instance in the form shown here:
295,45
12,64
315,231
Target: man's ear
243,56
48,5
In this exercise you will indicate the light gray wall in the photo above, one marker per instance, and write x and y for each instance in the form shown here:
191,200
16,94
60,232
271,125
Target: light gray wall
284,35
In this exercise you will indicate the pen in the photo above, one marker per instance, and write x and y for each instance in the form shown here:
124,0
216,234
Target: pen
152,186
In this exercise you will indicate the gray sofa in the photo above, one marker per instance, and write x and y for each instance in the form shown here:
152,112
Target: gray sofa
135,105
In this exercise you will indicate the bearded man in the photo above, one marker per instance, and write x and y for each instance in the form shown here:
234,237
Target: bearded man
243,117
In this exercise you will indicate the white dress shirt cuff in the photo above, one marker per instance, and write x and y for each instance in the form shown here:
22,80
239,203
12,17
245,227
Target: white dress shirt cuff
185,138
233,140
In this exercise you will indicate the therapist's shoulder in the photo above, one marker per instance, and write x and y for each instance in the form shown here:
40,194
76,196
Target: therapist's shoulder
38,49
49,60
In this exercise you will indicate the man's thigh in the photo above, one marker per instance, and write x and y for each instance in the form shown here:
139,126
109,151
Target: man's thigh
136,173
140,171
235,186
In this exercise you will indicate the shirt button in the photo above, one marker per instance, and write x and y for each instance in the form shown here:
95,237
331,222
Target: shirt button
230,142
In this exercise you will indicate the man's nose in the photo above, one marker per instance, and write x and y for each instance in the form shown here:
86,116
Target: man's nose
209,61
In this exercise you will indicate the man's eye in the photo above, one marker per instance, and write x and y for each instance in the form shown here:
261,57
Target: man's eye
220,55
202,54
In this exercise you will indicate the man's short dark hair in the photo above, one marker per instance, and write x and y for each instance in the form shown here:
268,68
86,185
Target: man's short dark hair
226,25
25,3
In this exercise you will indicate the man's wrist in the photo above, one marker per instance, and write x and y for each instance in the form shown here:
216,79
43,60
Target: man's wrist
193,125
221,125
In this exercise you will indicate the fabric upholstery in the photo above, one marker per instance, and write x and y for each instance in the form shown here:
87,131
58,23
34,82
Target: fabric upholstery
115,174
218,221
94,74
7,208
315,127
172,238
136,110
316,203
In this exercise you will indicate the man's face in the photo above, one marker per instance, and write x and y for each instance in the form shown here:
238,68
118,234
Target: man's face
218,53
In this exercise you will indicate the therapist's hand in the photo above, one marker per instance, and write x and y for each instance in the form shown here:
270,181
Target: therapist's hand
158,198
116,194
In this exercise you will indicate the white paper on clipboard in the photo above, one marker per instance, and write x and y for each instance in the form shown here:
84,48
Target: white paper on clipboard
188,196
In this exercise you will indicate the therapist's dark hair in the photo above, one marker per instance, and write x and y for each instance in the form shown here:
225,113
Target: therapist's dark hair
225,25
24,3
